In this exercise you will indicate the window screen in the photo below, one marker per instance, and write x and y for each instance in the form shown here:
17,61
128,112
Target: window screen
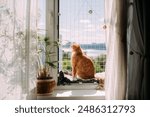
82,21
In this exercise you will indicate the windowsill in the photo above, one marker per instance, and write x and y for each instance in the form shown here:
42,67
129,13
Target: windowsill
75,93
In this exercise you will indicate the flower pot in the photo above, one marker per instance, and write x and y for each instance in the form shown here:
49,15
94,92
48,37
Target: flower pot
45,86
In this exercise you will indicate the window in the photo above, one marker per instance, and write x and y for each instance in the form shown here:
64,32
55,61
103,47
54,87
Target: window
81,21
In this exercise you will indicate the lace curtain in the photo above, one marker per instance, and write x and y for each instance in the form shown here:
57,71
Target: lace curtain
115,19
18,46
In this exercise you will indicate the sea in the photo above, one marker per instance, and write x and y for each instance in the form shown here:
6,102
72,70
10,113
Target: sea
89,52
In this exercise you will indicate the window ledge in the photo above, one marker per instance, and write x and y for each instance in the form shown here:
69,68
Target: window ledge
85,91
75,91
74,95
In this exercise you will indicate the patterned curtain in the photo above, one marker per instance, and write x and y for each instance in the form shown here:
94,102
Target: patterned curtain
18,47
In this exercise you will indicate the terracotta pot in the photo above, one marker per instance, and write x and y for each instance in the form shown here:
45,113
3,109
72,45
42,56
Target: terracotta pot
45,87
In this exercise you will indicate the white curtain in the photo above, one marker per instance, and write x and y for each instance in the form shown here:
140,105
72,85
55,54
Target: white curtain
115,83
18,40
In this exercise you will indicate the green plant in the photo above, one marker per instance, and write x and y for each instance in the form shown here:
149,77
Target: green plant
99,63
47,52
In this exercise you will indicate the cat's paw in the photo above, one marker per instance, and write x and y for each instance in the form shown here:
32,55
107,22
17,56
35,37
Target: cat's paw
74,78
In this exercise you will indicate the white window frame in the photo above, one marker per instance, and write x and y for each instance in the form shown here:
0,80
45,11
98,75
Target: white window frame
52,27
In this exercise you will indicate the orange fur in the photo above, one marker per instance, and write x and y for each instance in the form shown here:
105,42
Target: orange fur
82,65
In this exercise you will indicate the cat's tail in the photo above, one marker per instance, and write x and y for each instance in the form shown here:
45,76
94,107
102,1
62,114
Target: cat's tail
99,76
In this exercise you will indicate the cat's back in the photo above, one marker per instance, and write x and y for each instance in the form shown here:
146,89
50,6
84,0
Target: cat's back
85,67
85,61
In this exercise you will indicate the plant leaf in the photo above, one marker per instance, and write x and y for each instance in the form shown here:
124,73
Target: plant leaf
57,43
54,61
46,39
51,64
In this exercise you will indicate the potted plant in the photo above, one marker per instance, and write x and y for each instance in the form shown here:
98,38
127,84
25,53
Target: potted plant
45,83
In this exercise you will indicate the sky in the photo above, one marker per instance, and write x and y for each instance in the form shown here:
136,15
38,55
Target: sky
42,15
80,21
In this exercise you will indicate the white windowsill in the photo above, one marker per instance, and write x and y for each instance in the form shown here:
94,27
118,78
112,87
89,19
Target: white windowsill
69,92
74,95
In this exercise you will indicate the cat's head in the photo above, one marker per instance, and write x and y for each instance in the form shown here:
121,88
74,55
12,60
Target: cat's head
75,46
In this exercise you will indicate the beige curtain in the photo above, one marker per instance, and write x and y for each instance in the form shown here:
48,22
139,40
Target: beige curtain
115,19
18,38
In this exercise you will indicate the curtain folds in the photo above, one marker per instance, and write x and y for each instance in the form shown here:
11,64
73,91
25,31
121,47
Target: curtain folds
136,45
139,60
116,73
18,38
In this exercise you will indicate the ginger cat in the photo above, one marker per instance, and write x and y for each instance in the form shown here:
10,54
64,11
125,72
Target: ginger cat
82,65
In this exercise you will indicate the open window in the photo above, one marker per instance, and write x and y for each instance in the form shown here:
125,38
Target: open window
82,22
